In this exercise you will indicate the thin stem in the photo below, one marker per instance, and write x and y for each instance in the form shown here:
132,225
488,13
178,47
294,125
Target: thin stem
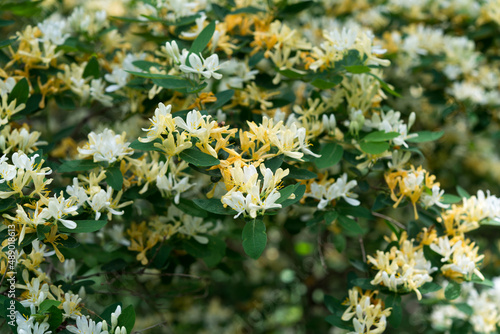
395,222
142,330
363,252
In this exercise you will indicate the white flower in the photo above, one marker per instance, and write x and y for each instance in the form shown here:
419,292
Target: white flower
22,161
97,92
301,136
205,67
7,85
160,122
173,51
434,199
102,200
37,292
84,326
118,77
238,202
326,193
114,316
171,185
52,31
193,124
193,226
212,65
7,172
58,207
30,326
70,305
77,192
106,146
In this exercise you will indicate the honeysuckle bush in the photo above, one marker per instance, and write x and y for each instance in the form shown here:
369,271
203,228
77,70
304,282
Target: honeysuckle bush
250,166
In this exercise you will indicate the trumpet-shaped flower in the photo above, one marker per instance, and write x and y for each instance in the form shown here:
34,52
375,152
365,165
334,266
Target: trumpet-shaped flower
106,146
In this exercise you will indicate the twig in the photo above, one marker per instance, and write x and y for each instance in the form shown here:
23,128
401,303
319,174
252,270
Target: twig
363,252
142,330
3,276
395,222
320,251
140,273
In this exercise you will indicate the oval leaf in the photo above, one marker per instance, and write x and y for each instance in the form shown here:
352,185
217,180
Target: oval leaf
254,238
452,290
331,154
203,38
374,147
198,158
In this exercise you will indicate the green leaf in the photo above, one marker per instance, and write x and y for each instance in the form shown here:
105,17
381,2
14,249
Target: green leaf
465,308
41,230
254,60
299,173
203,38
214,205
450,199
291,74
145,65
83,226
246,10
76,166
294,9
7,42
331,154
55,318
5,23
478,280
357,69
452,290
490,222
174,83
114,178
6,204
333,304
394,301
212,252
153,75
222,98
385,86
20,92
380,136
350,225
198,158
331,216
127,318
274,163
297,189
374,147
392,227
47,304
92,69
363,283
433,257
425,136
188,206
327,84
137,145
339,242
65,102
462,192
254,238
429,287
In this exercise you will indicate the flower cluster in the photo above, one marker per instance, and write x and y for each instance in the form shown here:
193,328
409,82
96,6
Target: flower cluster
403,267
367,312
202,154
